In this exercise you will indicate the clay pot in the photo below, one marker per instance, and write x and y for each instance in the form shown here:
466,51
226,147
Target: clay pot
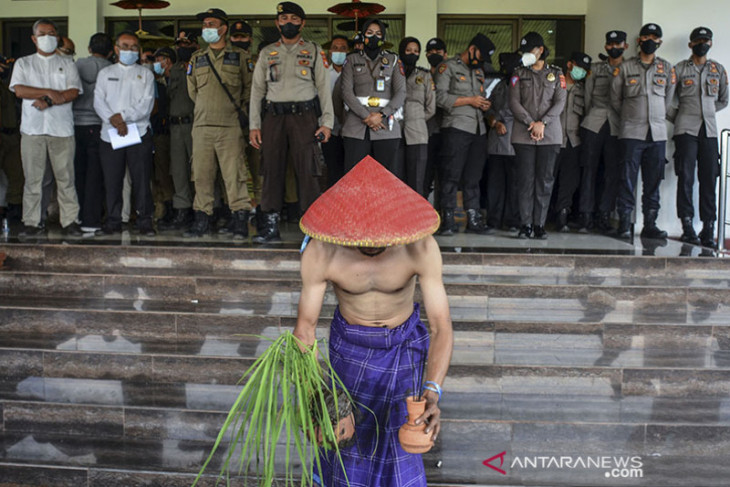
411,435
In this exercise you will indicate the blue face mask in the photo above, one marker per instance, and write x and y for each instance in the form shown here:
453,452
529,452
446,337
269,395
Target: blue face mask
211,36
159,70
128,57
338,58
578,73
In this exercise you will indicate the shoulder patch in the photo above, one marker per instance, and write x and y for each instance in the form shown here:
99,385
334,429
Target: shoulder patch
616,71
189,68
674,76
513,81
442,68
251,64
324,59
400,66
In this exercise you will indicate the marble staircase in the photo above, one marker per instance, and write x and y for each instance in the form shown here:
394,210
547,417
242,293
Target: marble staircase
118,364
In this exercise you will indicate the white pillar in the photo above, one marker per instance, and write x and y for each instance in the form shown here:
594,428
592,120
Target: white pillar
84,20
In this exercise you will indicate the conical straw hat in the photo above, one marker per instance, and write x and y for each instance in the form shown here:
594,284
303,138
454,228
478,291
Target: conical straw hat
370,207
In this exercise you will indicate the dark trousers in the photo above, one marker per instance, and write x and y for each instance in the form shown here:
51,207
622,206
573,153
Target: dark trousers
416,162
568,169
114,164
535,177
383,151
502,206
334,157
700,152
650,157
463,157
596,148
89,176
289,136
433,168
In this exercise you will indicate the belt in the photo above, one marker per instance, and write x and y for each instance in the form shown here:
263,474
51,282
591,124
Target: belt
293,107
8,131
181,120
373,101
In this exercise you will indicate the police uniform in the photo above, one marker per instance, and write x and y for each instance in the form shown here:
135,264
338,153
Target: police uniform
536,96
420,106
10,161
372,86
162,184
181,143
217,134
291,91
642,94
702,90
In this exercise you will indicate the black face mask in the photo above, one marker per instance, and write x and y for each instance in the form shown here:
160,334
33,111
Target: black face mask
649,46
289,30
242,44
435,59
474,62
372,46
410,59
701,50
615,52
184,53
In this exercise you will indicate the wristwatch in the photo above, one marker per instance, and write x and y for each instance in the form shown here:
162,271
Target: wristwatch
544,122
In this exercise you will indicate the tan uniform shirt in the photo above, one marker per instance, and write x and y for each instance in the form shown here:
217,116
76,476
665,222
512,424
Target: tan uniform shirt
454,80
212,105
420,106
291,73
378,79
598,99
537,96
701,92
177,91
642,94
573,114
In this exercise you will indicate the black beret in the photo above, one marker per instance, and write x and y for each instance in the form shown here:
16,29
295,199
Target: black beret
168,52
700,33
615,36
435,43
530,41
290,8
215,13
241,27
650,29
581,59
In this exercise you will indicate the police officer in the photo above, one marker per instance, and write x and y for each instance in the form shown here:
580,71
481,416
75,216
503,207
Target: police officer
641,91
163,187
374,91
537,97
436,54
460,93
419,108
291,91
599,134
217,132
568,165
702,90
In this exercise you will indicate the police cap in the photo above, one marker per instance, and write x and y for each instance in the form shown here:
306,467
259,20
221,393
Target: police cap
435,43
581,59
290,8
615,36
530,41
214,13
167,52
700,33
241,27
651,29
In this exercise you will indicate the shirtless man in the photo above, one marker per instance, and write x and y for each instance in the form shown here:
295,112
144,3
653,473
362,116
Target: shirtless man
375,288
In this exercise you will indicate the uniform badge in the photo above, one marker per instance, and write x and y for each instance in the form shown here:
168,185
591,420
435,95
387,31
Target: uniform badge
713,68
139,76
462,78
274,53
303,62
633,81
674,77
280,8
189,69
442,68
563,84
385,61
661,81
513,81
419,80
251,64
551,77
304,72
616,71
481,89
324,59
713,81
688,82
304,51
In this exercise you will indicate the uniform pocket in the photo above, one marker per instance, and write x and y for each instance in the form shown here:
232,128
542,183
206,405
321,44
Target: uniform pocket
713,87
632,87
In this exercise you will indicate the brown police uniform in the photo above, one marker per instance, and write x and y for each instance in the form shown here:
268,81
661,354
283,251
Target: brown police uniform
181,136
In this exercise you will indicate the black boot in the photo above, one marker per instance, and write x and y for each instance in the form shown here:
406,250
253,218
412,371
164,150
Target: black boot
240,224
539,233
624,226
562,221
707,234
585,222
525,232
604,223
650,229
688,232
165,221
269,228
447,223
474,223
183,219
201,225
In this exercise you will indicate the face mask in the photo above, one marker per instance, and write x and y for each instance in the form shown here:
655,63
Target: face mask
410,59
528,59
184,53
578,73
338,58
211,36
372,42
615,52
649,46
242,44
47,44
159,70
289,30
700,50
128,57
435,59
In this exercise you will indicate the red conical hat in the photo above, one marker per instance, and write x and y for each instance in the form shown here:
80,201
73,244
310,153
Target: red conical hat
370,207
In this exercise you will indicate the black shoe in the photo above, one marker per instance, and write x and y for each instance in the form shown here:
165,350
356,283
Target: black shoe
144,227
72,230
525,232
269,229
107,229
585,222
183,219
474,223
31,231
539,233
227,228
707,235
604,224
650,229
165,221
240,224
447,223
562,220
688,232
200,227
624,226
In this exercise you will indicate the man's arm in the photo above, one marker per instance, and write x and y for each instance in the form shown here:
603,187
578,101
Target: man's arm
314,286
429,268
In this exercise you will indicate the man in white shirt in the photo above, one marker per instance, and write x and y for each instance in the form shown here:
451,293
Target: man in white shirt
124,96
47,83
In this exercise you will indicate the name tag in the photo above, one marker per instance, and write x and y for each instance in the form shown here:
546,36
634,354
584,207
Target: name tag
380,84
232,59
113,79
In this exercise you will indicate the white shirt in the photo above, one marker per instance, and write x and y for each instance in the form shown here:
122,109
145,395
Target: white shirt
51,72
127,90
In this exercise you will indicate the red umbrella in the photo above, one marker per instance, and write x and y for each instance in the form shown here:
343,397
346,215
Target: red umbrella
356,9
139,5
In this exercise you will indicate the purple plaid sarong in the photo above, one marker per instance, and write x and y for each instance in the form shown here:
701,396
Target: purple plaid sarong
380,368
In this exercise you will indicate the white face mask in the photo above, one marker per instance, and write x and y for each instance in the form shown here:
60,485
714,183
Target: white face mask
47,43
528,59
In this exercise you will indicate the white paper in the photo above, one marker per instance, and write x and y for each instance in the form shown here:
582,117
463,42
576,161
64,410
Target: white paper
491,87
132,137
